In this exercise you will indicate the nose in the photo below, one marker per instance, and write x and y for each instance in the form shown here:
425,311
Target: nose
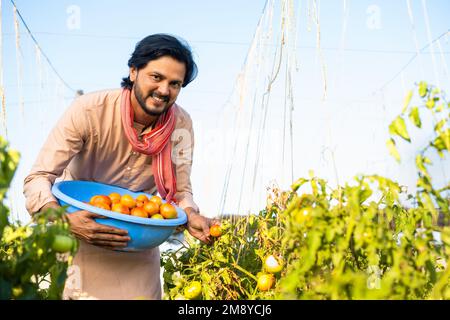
163,89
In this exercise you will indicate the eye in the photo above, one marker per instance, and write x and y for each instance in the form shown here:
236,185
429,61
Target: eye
155,77
176,85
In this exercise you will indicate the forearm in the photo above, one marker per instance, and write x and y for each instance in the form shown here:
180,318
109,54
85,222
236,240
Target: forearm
191,211
37,192
51,204
185,200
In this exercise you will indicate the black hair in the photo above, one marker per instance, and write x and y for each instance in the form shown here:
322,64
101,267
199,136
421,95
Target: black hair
156,46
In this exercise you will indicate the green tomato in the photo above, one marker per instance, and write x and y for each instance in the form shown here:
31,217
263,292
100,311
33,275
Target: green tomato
63,243
193,290
17,291
304,216
273,264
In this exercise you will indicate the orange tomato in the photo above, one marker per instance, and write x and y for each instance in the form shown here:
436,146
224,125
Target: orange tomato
140,204
139,212
157,216
215,230
93,199
168,211
100,198
102,205
151,208
157,200
142,198
128,201
118,207
115,197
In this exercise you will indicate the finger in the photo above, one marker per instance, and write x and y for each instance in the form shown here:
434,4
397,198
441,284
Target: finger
91,214
110,237
199,234
101,228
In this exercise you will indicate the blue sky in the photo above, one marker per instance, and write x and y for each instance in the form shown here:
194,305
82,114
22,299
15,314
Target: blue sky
363,48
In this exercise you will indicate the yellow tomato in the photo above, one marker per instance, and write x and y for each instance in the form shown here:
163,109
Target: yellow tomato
115,197
193,290
128,201
151,208
139,212
265,282
157,200
168,211
142,198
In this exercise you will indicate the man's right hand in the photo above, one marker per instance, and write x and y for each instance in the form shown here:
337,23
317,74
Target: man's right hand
84,227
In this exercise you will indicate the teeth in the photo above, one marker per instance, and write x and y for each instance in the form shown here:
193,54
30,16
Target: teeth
158,98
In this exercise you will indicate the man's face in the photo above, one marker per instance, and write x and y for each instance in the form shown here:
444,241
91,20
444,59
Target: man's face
157,85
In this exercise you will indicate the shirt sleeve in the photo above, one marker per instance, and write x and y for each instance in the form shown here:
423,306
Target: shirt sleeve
64,141
182,155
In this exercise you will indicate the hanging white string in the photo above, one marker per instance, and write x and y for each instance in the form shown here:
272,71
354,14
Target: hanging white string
416,42
433,58
2,89
19,63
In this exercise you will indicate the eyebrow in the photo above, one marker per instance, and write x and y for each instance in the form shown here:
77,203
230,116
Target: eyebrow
162,76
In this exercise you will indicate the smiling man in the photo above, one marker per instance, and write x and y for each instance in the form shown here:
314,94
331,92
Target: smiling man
138,138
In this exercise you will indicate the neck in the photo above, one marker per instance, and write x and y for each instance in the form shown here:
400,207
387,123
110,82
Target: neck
139,115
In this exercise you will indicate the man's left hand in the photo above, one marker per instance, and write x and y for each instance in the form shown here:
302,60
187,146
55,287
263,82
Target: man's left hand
198,225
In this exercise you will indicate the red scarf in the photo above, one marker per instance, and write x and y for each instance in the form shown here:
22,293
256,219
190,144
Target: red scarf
155,143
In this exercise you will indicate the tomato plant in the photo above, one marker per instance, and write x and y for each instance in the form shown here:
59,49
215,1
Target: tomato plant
33,257
356,241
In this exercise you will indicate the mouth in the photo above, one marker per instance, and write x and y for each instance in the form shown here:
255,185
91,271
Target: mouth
159,99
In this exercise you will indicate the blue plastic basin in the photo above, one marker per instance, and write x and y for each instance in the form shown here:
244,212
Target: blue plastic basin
145,233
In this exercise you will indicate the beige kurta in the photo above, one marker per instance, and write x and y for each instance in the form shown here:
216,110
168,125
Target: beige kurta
88,143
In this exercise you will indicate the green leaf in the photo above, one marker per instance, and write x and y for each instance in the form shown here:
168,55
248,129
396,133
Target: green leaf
425,183
428,204
398,127
364,195
414,117
440,107
420,164
407,100
442,142
393,149
430,103
439,125
423,89
297,184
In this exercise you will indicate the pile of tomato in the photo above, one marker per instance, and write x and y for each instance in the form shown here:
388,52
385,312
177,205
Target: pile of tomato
141,206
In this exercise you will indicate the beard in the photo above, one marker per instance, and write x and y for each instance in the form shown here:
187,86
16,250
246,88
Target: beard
150,109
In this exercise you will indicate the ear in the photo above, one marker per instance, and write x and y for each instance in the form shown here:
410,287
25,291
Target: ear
133,74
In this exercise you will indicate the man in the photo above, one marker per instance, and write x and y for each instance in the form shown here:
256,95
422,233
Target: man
138,138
